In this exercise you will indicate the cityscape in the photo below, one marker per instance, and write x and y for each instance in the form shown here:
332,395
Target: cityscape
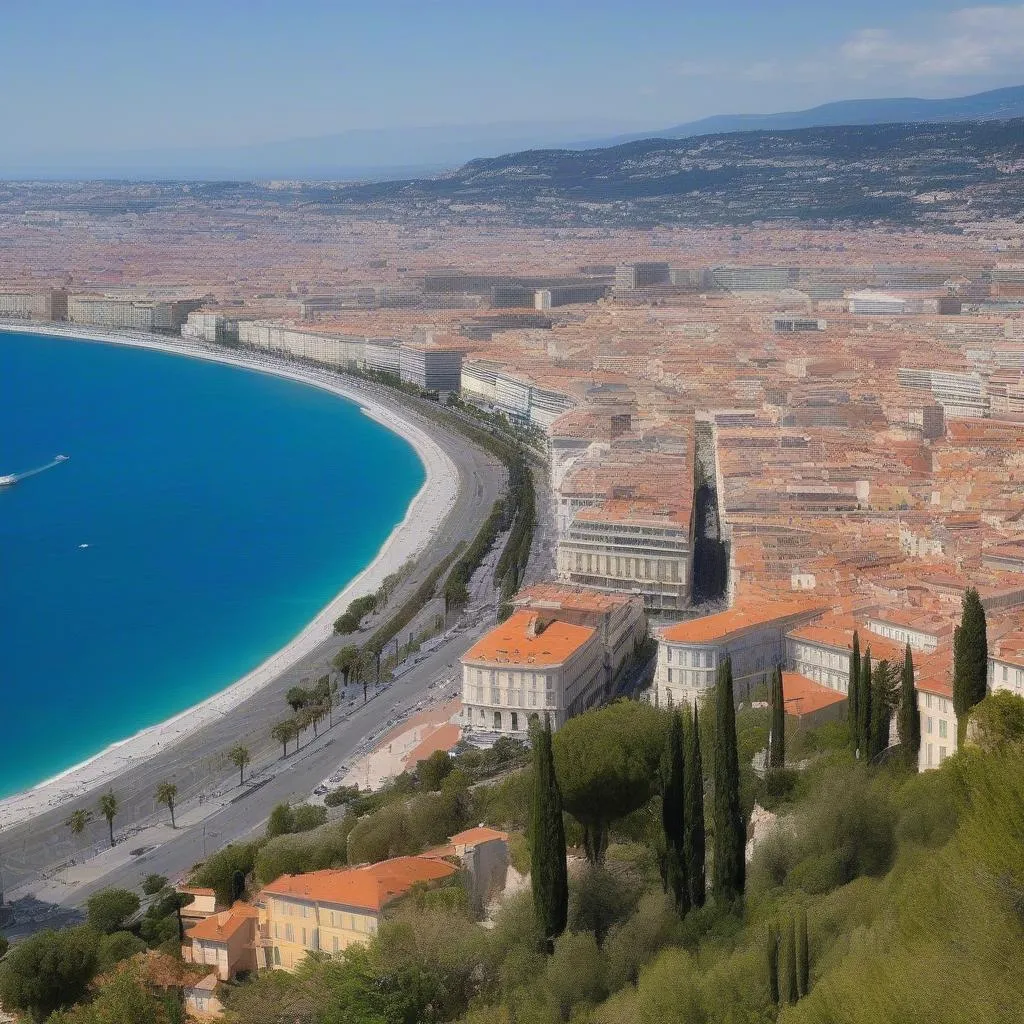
666,661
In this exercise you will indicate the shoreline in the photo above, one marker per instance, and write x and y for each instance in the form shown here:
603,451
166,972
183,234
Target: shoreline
409,538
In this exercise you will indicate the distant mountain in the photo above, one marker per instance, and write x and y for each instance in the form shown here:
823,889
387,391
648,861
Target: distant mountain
937,173
996,104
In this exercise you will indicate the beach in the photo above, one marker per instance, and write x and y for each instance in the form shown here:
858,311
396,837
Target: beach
410,538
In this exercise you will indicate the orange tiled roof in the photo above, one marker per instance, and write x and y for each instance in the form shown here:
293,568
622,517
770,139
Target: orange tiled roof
711,628
511,642
367,888
802,696
476,835
565,595
223,926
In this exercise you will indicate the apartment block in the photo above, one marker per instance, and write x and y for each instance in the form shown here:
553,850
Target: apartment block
752,634
1006,664
529,666
130,314
432,367
51,304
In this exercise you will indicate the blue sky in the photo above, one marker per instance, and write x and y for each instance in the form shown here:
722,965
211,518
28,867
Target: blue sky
115,74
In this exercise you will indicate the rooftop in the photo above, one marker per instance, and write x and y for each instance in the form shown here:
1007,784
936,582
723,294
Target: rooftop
524,639
555,596
803,696
712,628
223,926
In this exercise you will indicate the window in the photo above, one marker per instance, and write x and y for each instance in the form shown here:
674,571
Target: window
305,941
515,724
497,719
942,728
942,754
289,933
928,725
335,944
930,759
927,700
277,956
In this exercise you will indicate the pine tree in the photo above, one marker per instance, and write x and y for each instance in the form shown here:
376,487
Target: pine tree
909,721
694,840
970,660
730,829
852,689
864,706
789,991
673,816
771,950
777,742
803,956
548,873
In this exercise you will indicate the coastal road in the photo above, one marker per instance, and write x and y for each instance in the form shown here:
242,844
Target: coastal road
198,763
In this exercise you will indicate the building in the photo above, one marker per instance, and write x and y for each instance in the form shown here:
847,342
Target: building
877,304
938,721
489,384
432,367
810,703
202,903
332,909
484,856
529,666
224,941
51,304
961,395
752,635
618,618
630,276
1006,664
315,344
785,323
130,314
753,279
383,355
821,651
630,546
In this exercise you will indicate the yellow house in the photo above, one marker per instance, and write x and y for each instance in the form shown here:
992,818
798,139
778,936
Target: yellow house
225,941
332,909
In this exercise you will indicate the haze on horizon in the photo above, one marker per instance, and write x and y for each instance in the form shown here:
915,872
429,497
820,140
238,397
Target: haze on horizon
195,77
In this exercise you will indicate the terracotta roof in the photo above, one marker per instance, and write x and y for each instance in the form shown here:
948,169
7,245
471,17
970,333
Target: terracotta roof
712,628
223,926
565,595
802,696
475,836
511,643
367,888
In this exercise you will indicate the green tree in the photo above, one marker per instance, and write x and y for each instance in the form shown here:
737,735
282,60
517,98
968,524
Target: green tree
970,660
77,821
607,762
777,736
730,829
864,706
297,698
109,807
346,660
694,840
281,821
789,991
49,971
803,955
852,691
109,909
152,884
239,756
883,700
167,794
284,733
673,819
771,960
908,723
548,873
433,770
996,721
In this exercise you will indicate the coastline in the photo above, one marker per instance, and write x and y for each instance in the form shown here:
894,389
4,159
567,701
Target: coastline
426,511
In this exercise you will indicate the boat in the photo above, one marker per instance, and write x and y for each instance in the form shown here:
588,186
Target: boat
7,481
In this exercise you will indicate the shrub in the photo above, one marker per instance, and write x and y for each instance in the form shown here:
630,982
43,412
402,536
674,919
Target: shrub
109,909
319,848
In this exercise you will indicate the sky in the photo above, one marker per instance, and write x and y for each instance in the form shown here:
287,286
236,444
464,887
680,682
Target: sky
128,74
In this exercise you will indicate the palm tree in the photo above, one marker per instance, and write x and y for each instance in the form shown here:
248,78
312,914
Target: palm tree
77,821
239,758
109,809
166,794
284,733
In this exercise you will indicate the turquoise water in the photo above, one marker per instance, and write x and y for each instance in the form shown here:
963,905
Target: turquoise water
222,509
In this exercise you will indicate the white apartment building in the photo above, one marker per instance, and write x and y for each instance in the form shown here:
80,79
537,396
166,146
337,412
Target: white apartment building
752,635
432,367
877,303
45,305
527,666
938,723
487,383
822,651
630,547
961,395
908,628
383,355
130,314
1006,664
344,350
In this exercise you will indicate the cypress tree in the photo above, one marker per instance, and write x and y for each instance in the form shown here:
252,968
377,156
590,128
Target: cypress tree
909,721
803,956
673,816
852,688
771,951
694,840
790,993
730,830
864,706
882,699
777,743
970,660
548,874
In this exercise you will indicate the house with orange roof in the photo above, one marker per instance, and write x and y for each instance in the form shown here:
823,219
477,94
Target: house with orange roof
938,719
809,702
224,941
531,664
750,634
202,902
332,909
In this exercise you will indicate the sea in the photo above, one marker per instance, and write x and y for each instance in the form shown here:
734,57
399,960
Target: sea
205,514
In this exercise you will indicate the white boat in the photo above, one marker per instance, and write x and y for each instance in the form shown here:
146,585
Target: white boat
7,481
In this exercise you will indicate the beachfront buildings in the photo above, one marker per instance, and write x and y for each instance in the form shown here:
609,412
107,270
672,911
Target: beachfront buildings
751,634
432,367
49,304
531,665
113,312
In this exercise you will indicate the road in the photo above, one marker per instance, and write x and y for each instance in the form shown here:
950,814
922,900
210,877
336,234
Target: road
198,764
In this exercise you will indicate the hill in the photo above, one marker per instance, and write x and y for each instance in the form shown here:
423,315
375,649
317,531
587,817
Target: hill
907,173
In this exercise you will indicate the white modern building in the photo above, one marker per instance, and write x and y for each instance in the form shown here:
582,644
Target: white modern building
51,304
877,303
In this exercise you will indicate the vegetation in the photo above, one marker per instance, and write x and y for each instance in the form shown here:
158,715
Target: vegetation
167,794
970,659
909,721
239,757
109,807
694,840
673,817
777,736
110,909
729,824
77,821
852,693
548,874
